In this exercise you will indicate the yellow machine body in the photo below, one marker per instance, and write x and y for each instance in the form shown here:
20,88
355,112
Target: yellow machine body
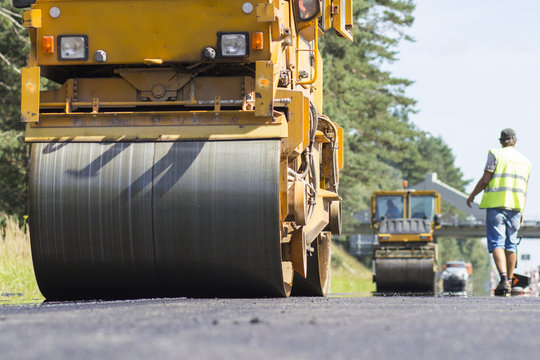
184,72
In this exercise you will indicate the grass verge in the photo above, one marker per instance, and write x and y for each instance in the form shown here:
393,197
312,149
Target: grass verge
348,274
18,283
17,280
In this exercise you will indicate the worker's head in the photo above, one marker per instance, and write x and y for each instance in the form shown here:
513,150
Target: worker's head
508,137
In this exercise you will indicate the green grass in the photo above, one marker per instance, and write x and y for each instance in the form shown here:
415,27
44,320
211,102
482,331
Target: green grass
348,274
18,283
17,280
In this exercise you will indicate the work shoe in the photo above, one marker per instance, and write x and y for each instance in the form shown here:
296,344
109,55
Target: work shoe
518,291
503,289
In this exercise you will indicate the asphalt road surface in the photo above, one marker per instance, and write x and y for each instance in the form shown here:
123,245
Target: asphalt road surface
294,328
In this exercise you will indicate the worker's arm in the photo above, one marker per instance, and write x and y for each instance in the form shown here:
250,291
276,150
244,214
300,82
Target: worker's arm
526,188
481,185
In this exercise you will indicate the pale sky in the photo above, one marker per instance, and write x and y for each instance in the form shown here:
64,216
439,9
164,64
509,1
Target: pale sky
476,64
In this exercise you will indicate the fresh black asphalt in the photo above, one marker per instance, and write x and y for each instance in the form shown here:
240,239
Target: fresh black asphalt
396,327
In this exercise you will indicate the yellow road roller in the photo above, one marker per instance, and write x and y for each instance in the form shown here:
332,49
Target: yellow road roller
183,150
405,259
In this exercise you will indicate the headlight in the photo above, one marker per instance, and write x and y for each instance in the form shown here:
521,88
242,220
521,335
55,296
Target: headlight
72,47
233,44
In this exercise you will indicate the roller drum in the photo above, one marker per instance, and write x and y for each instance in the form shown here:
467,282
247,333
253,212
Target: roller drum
405,275
129,220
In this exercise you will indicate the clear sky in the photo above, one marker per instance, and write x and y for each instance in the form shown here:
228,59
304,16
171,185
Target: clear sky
476,67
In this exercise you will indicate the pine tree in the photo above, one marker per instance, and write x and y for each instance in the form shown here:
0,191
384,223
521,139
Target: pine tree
369,103
14,46
382,146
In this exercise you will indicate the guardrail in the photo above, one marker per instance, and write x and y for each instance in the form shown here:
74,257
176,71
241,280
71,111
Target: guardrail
529,230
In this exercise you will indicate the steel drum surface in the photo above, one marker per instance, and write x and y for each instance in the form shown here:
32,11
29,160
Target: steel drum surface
405,275
124,220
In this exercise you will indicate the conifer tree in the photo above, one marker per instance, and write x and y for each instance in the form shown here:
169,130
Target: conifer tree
382,147
13,49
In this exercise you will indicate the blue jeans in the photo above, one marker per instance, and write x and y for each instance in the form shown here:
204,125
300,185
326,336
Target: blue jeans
501,228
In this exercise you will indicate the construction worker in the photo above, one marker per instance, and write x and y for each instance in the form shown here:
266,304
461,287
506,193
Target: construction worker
392,211
505,188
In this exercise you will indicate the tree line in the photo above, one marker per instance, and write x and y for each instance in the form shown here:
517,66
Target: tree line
382,146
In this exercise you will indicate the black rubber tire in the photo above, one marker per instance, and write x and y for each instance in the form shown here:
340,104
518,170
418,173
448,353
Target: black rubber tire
317,282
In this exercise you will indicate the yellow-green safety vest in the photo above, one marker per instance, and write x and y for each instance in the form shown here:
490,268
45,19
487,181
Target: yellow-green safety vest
508,185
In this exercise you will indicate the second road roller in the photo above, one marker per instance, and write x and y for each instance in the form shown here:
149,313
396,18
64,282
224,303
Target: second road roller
405,259
180,148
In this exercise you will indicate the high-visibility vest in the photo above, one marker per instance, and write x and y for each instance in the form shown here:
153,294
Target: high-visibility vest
508,185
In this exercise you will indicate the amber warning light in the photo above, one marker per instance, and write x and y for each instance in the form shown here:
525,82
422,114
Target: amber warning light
257,41
47,44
